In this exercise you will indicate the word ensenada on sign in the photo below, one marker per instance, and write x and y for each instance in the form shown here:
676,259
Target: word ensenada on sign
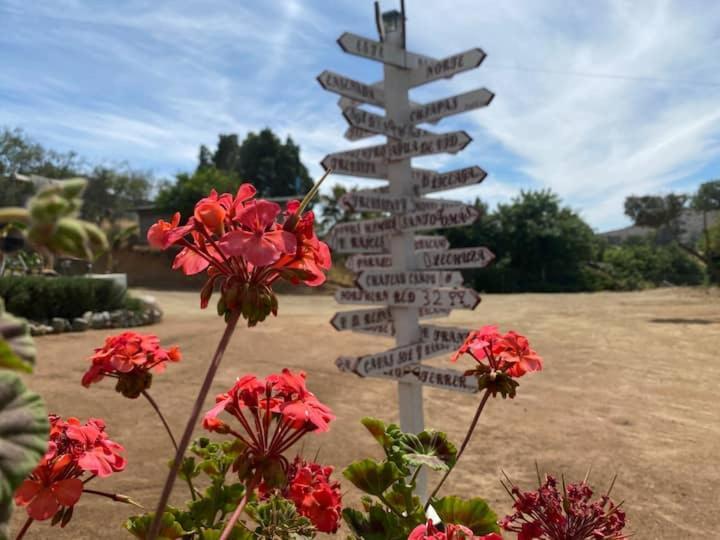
375,123
446,67
365,318
435,110
407,278
339,84
405,355
477,257
446,379
351,166
382,52
449,298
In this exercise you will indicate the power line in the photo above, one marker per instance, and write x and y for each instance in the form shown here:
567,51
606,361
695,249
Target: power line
607,76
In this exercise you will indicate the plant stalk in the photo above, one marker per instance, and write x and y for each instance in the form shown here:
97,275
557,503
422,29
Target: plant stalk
24,529
189,427
249,488
464,444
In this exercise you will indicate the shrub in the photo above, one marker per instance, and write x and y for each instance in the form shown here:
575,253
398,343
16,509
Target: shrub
40,298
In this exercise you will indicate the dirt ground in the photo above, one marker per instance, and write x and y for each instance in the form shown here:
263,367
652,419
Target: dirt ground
630,386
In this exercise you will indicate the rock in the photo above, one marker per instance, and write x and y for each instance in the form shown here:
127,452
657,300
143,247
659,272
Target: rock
87,316
150,303
80,324
99,320
37,329
118,315
58,324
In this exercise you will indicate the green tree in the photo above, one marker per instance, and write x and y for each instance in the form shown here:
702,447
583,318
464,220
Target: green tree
111,193
706,200
20,154
332,211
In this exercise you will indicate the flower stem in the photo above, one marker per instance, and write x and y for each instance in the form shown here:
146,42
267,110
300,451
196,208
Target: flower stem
113,496
464,444
249,488
24,529
194,415
155,406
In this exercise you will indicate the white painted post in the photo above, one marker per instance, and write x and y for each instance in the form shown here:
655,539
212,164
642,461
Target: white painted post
397,109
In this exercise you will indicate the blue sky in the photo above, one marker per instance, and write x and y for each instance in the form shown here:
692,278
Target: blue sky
596,100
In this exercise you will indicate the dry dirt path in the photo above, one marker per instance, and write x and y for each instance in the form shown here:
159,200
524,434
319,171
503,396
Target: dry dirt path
630,386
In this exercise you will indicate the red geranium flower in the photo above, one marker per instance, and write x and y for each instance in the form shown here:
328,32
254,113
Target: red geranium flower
550,514
500,359
314,494
281,412
451,532
74,449
130,357
245,245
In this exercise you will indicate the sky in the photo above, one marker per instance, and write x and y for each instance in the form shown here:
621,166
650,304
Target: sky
594,100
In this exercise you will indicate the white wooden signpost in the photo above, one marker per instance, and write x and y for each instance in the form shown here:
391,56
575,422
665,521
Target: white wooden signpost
410,277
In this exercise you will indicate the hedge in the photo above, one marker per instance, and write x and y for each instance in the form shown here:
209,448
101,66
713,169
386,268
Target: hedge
41,298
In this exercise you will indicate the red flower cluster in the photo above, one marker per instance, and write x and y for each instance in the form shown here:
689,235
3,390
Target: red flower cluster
129,357
451,532
547,514
281,410
500,358
245,244
73,450
315,496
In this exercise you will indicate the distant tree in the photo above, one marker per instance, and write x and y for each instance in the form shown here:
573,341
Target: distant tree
20,154
182,195
332,211
663,214
262,158
111,194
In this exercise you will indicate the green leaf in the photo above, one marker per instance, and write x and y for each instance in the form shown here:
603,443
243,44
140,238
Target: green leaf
17,348
24,432
170,529
474,513
379,524
429,448
377,430
278,518
372,477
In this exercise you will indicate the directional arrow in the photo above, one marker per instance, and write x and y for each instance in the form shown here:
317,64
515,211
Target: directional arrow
370,201
451,142
366,226
447,67
367,121
442,108
355,134
368,280
448,334
379,243
445,379
406,355
450,216
365,318
458,298
427,181
382,52
477,257
350,166
355,263
345,86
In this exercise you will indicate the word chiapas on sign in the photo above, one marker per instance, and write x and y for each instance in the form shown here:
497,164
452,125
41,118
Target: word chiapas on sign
407,277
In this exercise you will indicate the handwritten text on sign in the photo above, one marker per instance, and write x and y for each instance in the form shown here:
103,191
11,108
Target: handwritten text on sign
407,278
407,297
400,356
446,379
364,318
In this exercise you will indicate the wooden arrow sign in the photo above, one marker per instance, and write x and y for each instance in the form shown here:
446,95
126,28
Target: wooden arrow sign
410,297
477,257
436,110
369,280
366,226
447,67
366,318
370,201
451,143
450,216
427,181
431,243
447,334
355,263
345,86
367,121
350,166
445,379
355,134
406,355
381,52
380,243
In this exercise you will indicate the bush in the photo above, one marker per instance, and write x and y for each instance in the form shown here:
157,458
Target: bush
641,264
40,298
